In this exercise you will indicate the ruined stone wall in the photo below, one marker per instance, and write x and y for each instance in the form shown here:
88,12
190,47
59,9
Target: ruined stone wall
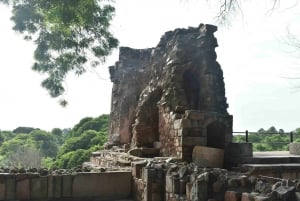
177,181
178,99
130,75
79,186
171,141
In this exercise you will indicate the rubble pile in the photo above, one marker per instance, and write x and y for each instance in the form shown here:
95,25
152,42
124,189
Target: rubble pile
179,181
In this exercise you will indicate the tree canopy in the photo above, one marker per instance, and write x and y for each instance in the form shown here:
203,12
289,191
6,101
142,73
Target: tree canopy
70,36
65,148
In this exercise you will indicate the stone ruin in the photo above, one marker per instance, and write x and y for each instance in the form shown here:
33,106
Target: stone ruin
170,102
171,98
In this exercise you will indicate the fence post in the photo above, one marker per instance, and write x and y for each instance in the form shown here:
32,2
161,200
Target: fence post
246,136
291,137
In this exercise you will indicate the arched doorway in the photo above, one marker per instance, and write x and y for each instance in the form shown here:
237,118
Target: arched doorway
216,135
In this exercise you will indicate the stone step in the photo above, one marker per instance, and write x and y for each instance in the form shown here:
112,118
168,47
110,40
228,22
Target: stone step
282,171
274,157
273,160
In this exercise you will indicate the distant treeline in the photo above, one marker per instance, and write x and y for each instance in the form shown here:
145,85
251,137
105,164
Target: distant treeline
270,139
61,148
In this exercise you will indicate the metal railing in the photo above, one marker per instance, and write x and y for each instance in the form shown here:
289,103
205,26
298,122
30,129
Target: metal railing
246,133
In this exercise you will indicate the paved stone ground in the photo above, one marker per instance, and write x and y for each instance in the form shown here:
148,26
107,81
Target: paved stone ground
274,154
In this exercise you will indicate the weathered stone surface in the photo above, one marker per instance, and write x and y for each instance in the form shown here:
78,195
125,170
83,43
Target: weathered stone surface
2,190
104,185
23,189
130,76
232,196
240,149
38,188
192,141
208,157
194,114
67,181
294,148
248,197
284,193
10,188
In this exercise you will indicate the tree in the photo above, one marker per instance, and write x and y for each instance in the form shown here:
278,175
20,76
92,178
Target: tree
272,129
87,140
23,130
261,130
88,135
70,35
229,8
45,142
26,157
97,124
59,135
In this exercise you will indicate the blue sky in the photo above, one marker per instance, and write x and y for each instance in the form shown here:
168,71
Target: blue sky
252,53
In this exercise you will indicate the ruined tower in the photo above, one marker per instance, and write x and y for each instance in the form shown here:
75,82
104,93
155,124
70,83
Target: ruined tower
171,97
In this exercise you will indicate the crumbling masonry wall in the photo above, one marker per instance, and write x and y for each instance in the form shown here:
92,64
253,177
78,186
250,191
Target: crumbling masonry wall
171,97
130,75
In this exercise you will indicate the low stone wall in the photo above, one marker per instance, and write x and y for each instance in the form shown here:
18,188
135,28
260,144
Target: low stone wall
87,186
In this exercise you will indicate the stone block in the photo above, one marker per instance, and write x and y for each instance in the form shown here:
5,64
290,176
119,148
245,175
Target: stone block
10,188
108,185
196,132
157,197
2,189
199,191
182,186
294,148
149,175
57,186
194,123
192,141
23,189
208,157
188,191
247,197
147,192
186,123
156,188
232,196
67,181
183,132
50,186
39,188
218,186
239,150
137,168
175,185
169,184
194,114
